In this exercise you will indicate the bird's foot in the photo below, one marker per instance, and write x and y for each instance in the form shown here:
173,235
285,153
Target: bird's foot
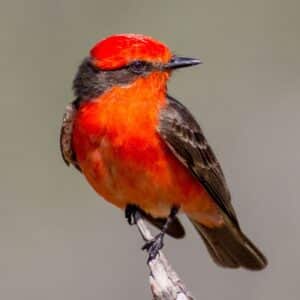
130,212
153,246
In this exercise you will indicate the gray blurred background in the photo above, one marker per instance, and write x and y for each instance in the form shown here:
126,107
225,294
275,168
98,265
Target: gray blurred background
59,240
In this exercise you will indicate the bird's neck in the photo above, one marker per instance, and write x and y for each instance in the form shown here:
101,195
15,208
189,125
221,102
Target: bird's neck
133,109
146,89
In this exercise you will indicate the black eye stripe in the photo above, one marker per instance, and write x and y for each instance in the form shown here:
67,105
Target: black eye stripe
91,81
138,63
136,67
139,67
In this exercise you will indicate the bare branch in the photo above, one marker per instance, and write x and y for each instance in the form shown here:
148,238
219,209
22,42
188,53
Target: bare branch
164,281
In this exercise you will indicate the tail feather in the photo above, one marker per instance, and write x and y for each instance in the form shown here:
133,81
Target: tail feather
229,247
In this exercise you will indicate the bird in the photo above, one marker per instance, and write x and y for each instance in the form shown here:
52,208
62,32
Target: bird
142,150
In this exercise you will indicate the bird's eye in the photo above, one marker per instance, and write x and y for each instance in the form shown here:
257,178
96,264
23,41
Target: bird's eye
139,67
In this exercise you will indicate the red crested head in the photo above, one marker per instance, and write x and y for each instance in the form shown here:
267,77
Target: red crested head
120,50
122,59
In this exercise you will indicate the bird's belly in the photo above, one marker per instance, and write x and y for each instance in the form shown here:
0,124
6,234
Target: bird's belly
147,175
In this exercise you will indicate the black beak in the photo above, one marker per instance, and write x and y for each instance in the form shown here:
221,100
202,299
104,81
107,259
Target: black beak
177,62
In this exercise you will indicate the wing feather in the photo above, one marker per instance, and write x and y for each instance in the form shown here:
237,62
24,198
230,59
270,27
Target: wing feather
66,148
183,135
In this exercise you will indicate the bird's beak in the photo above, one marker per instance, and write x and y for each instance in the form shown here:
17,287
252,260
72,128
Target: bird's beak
177,62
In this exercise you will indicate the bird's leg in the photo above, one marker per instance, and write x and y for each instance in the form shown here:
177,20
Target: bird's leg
130,212
153,246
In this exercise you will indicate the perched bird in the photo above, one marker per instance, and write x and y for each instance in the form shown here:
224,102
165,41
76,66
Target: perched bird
141,149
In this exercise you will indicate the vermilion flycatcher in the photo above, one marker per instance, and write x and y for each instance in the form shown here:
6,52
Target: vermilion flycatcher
139,148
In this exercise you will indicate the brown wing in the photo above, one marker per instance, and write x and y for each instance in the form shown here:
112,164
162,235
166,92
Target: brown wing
183,135
66,150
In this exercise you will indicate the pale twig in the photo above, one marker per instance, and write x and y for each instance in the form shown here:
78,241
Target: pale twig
164,282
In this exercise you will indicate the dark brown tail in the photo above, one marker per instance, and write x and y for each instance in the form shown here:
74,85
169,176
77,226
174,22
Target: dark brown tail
230,248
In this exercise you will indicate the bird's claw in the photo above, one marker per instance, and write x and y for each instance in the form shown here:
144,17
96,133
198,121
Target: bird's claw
130,211
153,246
